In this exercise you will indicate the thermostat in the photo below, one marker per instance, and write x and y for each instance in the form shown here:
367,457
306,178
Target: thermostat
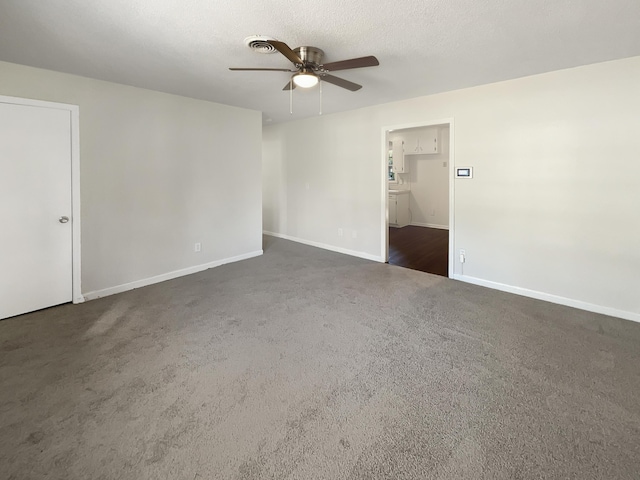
464,172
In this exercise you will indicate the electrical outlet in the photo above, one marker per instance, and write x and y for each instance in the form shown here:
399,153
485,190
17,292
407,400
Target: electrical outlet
197,247
340,232
463,256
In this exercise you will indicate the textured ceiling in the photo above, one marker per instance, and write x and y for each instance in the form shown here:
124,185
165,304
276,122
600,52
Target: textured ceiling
424,46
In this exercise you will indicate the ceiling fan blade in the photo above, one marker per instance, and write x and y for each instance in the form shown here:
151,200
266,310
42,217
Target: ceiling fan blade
341,82
284,49
263,69
369,61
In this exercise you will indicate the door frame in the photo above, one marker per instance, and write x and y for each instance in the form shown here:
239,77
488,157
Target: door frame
74,110
384,248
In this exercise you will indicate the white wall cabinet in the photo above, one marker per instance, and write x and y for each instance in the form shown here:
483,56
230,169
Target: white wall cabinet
421,141
397,151
398,209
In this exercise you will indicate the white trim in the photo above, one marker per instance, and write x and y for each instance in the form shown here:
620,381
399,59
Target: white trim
384,219
590,307
74,111
36,103
167,276
452,198
430,225
75,204
326,246
384,248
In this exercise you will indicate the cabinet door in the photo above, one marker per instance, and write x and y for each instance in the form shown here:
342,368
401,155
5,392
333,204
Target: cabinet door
393,210
421,142
429,141
398,155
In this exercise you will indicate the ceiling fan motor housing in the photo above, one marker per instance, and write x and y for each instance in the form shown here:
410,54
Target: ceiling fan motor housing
311,55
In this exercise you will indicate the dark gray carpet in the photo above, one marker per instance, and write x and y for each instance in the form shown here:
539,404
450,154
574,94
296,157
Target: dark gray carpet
307,364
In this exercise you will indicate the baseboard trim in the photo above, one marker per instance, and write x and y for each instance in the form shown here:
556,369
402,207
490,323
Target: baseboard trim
590,307
326,246
430,225
167,276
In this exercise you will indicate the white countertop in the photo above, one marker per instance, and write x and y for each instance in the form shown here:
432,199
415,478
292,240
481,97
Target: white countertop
395,192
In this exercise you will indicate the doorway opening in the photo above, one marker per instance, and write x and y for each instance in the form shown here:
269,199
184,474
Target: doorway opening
418,196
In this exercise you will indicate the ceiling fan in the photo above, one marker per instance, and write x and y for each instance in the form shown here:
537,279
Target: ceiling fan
309,68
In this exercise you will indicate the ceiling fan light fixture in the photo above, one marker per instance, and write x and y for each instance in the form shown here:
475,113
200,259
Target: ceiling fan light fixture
305,79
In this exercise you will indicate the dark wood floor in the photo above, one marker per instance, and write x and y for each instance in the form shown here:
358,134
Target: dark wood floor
420,248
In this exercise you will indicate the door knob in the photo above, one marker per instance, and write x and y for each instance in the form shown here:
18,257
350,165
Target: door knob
63,219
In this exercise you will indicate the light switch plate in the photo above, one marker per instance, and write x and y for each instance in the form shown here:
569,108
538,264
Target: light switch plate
464,172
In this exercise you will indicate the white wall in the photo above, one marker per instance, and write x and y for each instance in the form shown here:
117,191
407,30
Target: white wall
552,210
428,179
314,186
158,172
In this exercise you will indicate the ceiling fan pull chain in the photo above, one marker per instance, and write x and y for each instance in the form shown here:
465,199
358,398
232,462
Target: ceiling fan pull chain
320,112
291,95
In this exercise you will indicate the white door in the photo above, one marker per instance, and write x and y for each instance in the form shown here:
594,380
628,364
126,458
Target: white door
35,201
